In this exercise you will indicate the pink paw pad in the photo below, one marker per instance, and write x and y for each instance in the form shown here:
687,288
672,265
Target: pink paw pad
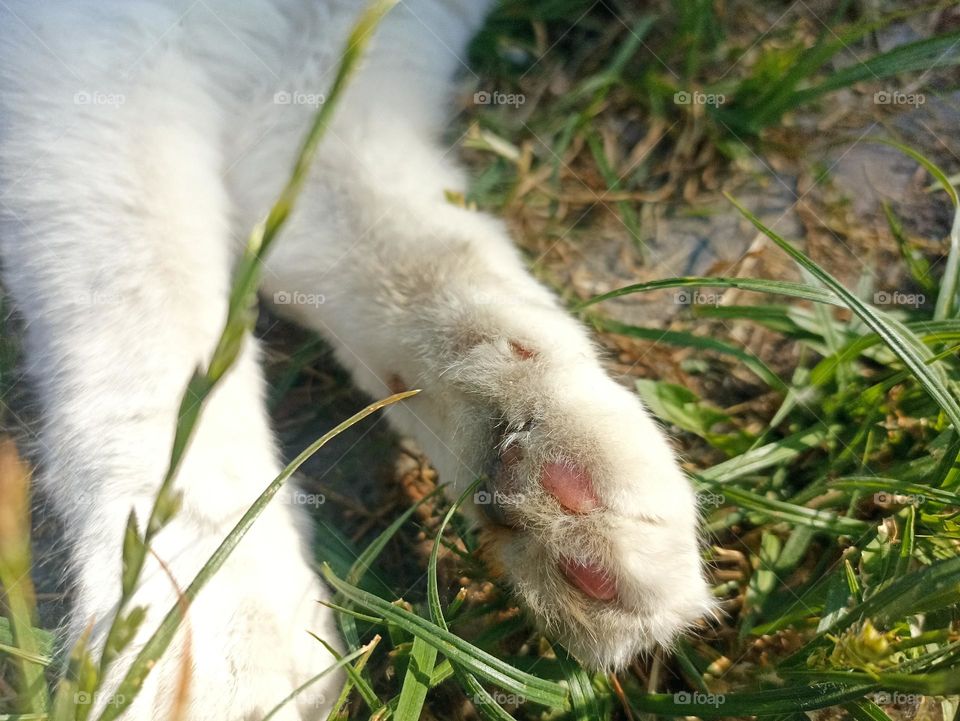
571,486
592,579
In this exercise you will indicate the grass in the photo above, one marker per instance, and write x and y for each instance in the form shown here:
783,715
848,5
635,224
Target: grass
843,511
829,484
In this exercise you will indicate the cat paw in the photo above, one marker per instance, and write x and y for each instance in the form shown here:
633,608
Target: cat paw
587,512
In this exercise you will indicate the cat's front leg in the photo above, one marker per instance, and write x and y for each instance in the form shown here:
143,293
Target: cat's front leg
591,519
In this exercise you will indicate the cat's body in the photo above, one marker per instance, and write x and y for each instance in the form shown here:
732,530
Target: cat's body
139,142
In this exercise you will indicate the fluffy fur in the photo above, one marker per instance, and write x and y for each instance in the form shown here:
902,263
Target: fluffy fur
139,140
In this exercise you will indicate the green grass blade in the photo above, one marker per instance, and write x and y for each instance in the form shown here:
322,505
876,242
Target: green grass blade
756,285
160,640
948,303
930,332
459,651
772,454
910,593
793,321
940,683
482,700
924,55
763,581
343,661
689,340
904,347
45,639
929,165
908,541
357,41
948,299
354,678
797,515
15,583
947,472
912,493
865,710
416,681
791,699
583,697
361,567
354,675
914,260
19,653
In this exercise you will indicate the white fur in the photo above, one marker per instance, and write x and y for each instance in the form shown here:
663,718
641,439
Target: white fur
139,141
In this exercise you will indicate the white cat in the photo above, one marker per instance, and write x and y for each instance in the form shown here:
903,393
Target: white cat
139,142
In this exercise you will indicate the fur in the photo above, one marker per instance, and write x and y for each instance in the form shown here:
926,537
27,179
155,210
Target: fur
139,141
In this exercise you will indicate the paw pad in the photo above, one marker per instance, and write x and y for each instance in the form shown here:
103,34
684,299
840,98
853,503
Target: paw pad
571,486
592,579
